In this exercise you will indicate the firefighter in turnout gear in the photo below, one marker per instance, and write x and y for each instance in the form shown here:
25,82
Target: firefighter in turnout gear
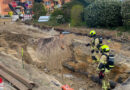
106,60
103,60
105,65
96,43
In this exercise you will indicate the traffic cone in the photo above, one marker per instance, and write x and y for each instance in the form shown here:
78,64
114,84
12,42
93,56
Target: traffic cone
66,87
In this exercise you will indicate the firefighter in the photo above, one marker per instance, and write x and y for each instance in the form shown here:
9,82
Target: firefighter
106,60
96,43
103,60
105,65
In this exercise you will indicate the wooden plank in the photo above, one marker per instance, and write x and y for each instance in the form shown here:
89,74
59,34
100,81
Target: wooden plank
12,80
28,83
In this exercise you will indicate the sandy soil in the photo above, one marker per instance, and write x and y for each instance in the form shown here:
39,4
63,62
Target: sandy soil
44,52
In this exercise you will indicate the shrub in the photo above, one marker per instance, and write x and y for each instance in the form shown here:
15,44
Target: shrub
76,15
57,17
126,13
57,12
66,8
39,10
38,0
89,1
6,15
103,14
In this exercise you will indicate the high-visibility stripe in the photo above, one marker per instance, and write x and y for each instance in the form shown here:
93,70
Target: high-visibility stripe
111,66
104,85
106,70
102,69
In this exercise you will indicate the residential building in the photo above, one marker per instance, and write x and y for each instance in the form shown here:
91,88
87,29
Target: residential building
49,4
53,4
4,7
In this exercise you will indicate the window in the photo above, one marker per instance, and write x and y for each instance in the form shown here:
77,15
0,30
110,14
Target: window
47,3
29,2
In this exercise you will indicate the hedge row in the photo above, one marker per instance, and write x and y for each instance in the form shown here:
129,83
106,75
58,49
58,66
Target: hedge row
103,13
96,13
76,18
126,12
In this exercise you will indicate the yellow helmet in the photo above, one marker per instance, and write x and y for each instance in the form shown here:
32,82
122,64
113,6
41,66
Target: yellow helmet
92,33
105,48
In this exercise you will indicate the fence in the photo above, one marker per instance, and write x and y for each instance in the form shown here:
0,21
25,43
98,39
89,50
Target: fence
26,17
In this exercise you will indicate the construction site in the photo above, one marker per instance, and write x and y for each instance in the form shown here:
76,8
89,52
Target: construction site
36,56
51,61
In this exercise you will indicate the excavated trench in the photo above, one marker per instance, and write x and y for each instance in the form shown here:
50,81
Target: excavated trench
49,55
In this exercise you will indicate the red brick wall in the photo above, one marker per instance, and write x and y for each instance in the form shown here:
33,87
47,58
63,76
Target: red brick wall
4,8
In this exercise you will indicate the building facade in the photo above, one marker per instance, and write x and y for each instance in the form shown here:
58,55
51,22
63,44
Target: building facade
53,4
49,4
5,9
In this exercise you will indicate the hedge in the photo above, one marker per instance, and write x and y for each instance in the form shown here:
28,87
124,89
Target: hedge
103,14
76,15
57,17
126,13
66,8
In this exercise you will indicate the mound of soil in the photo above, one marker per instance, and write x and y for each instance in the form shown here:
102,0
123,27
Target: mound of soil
49,51
20,38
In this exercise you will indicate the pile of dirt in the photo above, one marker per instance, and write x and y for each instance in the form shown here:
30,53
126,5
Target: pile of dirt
124,86
50,51
12,43
80,51
20,38
120,73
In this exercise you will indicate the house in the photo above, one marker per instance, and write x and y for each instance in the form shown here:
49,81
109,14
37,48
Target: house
53,4
5,9
49,4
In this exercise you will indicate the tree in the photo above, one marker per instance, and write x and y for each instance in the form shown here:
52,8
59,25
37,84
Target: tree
66,8
76,15
89,1
126,13
39,10
103,13
38,0
86,2
57,17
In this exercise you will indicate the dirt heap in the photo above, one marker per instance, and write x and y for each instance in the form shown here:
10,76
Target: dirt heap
124,86
81,58
50,51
